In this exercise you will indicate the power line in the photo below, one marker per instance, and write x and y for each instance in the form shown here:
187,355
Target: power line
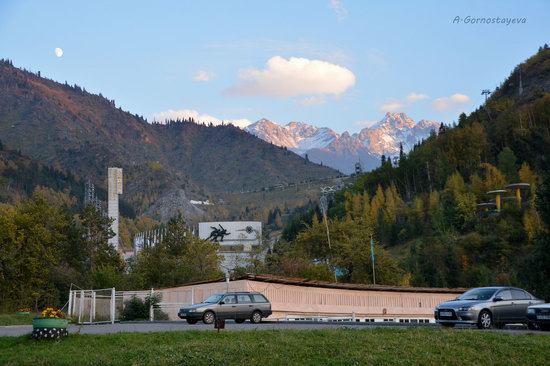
486,92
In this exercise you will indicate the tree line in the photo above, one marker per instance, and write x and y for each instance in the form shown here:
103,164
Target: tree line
44,248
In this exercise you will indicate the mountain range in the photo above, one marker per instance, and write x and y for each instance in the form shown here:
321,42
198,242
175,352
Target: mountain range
70,129
341,151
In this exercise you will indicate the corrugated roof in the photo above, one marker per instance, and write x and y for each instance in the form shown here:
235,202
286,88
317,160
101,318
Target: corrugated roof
296,281
347,286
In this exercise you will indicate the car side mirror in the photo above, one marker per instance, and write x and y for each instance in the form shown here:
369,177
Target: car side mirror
497,298
222,302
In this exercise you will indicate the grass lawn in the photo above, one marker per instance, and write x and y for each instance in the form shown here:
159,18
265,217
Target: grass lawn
305,347
14,319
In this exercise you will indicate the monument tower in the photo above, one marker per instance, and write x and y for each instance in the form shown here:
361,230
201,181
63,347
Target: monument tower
114,187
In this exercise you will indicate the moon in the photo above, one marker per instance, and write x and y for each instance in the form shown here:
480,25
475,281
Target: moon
58,52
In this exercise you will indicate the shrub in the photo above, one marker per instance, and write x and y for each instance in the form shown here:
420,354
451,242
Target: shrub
137,309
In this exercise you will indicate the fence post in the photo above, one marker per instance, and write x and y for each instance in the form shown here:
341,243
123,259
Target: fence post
151,311
113,294
193,295
92,307
70,310
80,306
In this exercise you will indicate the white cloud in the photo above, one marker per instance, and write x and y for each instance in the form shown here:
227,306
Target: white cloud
339,9
446,103
187,114
365,123
392,106
203,76
293,77
395,105
310,101
415,97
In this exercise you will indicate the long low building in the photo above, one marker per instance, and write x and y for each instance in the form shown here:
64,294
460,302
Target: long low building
300,299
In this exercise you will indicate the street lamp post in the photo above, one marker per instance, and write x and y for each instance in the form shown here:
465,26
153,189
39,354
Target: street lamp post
227,277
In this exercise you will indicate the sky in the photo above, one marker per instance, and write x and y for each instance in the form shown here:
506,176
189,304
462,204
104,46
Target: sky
332,63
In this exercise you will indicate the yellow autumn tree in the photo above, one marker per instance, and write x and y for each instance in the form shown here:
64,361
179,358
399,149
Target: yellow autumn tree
478,187
494,179
526,175
367,217
377,203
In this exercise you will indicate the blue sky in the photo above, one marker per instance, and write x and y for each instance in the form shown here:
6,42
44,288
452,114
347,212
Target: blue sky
339,64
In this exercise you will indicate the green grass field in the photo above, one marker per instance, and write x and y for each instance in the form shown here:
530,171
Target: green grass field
378,346
14,319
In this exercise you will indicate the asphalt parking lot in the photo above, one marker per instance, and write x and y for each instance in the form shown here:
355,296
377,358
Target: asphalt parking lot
168,326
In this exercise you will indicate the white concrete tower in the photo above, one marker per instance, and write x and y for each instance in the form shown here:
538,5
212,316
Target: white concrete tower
114,186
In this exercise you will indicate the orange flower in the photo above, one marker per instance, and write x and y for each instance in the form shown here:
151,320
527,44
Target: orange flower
51,313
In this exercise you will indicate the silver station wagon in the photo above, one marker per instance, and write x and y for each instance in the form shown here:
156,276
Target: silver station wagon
232,305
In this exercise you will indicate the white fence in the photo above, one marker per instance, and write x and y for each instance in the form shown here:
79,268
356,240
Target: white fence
94,306
107,305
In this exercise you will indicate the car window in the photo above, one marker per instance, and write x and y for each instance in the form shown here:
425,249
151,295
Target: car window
243,299
505,295
259,298
519,295
478,294
230,299
213,299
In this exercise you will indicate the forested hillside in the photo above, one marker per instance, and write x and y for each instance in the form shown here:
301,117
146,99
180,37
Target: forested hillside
84,133
424,211
22,176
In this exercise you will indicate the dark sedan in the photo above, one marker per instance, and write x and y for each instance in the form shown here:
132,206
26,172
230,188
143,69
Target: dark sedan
487,307
539,316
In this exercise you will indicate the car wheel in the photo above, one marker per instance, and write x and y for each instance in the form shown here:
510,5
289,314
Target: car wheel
239,321
544,327
208,317
533,326
191,321
485,320
448,325
256,317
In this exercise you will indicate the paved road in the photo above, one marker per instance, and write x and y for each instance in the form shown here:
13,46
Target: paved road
144,327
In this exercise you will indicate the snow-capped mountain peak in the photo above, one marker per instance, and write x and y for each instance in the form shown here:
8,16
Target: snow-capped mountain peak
395,129
395,120
341,151
297,136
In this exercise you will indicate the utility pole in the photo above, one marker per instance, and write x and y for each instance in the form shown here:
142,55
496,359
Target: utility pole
372,260
323,201
485,92
324,206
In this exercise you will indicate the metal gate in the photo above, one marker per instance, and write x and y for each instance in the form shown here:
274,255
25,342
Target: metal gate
107,305
95,306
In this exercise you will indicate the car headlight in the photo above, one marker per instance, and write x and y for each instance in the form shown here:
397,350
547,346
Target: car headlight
465,308
530,311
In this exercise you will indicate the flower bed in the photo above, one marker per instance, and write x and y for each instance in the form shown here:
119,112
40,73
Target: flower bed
23,311
51,325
